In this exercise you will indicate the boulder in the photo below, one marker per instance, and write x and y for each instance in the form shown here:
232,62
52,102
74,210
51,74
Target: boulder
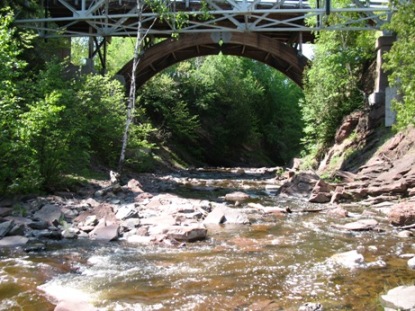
223,214
402,214
102,232
126,211
300,184
50,213
6,227
411,263
399,298
320,197
187,233
5,211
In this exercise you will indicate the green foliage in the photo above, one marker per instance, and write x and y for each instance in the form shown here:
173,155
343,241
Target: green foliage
227,106
332,84
400,63
53,123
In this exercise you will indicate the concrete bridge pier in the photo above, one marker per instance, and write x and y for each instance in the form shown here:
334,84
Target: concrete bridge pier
380,100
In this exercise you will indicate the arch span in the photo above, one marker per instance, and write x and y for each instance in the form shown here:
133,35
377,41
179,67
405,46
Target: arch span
252,45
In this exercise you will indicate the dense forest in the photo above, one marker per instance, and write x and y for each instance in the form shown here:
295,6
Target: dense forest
57,124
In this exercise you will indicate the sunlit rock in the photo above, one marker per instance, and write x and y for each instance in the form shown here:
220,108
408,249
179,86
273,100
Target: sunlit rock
351,259
400,298
402,214
411,263
187,233
237,196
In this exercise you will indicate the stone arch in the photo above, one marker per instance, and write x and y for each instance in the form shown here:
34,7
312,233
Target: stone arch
270,51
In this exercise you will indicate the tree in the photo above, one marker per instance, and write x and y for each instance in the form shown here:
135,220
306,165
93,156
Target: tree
400,63
332,83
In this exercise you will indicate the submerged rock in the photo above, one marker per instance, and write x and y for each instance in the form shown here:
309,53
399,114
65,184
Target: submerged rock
311,306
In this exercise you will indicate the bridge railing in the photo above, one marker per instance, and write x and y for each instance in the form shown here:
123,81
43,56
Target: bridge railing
75,18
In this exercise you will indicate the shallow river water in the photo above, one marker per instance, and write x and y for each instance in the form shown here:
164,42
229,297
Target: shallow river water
284,259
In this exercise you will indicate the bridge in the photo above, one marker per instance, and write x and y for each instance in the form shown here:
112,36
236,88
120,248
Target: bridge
270,31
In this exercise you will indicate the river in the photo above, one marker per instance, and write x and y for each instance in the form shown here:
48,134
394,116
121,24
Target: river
238,267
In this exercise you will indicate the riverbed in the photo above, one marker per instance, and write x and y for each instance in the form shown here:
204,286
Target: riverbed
280,258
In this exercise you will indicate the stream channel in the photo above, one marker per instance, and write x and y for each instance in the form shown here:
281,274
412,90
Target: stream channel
284,258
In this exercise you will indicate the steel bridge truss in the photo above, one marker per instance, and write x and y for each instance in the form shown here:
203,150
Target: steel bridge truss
106,18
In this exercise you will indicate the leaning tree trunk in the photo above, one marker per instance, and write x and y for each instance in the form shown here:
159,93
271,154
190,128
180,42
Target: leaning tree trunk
139,44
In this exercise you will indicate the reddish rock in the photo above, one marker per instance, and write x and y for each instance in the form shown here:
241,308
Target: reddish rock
348,125
402,214
320,197
187,233
135,185
338,212
394,187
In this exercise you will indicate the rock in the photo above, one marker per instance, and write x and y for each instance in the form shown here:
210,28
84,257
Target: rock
360,225
338,212
216,216
237,196
47,234
402,214
18,229
102,232
300,184
91,221
140,239
187,233
135,186
399,298
320,197
405,234
411,263
311,306
127,211
70,233
223,214
5,227
351,259
15,240
5,211
49,213
39,225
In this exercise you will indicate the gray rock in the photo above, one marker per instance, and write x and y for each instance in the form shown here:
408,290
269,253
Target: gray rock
18,229
5,227
126,212
105,233
15,240
223,214
39,225
70,233
50,213
399,298
187,233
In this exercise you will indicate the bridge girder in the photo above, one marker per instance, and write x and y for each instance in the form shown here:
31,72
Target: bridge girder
267,50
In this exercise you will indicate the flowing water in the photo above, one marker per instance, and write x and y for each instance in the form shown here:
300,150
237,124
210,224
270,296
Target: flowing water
284,259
